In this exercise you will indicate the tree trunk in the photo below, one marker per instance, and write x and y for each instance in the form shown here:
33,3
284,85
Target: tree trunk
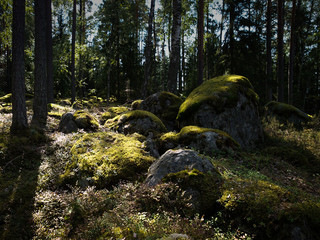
19,114
175,45
280,62
292,53
73,50
231,32
39,118
148,53
49,52
221,24
200,40
269,56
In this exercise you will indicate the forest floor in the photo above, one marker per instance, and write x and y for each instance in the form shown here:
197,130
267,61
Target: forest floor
275,185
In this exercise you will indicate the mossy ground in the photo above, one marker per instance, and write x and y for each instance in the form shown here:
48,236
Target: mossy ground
220,92
263,195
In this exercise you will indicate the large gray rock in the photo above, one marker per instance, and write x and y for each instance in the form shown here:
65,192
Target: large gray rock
227,103
164,105
174,161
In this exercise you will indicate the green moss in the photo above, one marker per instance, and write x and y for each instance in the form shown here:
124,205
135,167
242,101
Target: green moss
286,110
56,110
188,134
220,92
207,184
85,120
6,98
135,114
106,158
136,104
113,112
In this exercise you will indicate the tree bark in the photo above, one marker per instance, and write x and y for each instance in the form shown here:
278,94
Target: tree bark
73,50
200,40
39,118
231,32
175,45
19,114
148,53
292,53
269,56
50,93
280,60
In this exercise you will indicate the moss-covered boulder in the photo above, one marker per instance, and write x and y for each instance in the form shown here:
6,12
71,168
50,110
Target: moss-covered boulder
112,112
86,121
174,161
136,121
205,140
164,105
228,103
103,159
135,105
286,113
71,122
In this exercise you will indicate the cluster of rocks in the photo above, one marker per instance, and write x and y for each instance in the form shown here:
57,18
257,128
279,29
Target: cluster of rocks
220,115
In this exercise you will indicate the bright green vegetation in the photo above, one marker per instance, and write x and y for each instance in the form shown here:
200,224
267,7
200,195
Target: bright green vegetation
220,92
112,112
189,134
103,159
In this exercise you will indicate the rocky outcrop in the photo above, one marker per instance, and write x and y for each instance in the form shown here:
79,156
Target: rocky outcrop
227,103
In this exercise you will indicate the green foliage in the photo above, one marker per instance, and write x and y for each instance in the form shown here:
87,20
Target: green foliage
112,157
220,92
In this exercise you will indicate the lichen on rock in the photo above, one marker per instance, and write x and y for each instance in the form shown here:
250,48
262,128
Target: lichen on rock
228,103
103,159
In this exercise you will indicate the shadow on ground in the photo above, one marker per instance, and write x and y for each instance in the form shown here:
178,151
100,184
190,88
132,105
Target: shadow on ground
19,165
